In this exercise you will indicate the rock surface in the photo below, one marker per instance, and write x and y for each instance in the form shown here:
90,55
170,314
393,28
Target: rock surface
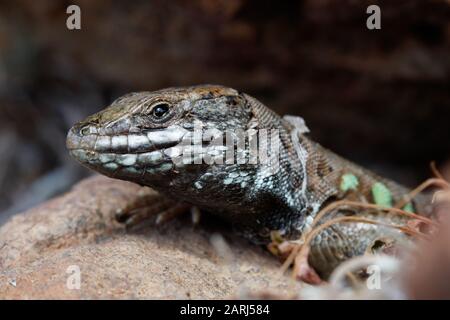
42,248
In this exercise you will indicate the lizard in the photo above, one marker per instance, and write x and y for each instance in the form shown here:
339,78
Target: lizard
138,137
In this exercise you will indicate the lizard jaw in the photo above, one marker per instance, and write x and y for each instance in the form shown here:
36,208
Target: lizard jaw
124,156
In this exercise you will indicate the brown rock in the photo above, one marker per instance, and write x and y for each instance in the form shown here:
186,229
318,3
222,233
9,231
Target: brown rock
38,248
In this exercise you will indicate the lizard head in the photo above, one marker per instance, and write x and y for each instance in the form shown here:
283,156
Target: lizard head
138,136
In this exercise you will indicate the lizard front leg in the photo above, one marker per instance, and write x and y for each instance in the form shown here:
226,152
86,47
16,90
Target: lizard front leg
150,204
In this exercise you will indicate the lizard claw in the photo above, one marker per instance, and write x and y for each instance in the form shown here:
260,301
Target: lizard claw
171,213
149,205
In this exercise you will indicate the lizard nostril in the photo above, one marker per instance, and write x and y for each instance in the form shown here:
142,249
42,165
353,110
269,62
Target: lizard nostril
87,129
84,131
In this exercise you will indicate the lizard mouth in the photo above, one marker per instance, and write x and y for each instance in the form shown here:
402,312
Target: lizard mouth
124,154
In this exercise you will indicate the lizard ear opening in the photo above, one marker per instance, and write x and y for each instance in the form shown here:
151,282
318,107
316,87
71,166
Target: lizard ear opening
298,123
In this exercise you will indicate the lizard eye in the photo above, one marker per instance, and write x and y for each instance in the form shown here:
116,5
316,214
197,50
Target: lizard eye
160,110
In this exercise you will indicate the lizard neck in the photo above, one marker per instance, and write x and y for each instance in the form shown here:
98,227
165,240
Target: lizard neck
288,199
305,181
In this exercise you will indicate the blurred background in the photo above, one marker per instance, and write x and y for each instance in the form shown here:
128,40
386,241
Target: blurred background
378,97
